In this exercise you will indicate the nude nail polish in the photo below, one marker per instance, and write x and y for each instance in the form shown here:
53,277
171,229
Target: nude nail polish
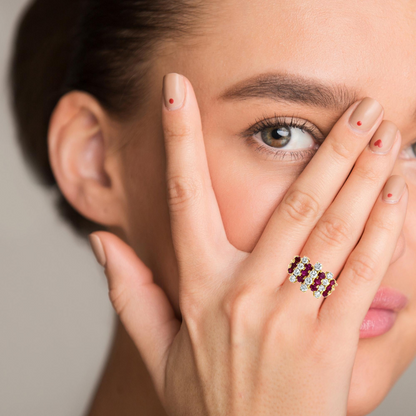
393,189
97,248
365,115
173,91
383,138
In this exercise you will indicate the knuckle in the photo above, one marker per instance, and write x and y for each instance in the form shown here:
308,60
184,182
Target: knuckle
361,267
341,149
321,348
278,328
182,191
300,206
192,311
275,327
333,229
367,173
119,299
384,222
237,307
234,305
178,134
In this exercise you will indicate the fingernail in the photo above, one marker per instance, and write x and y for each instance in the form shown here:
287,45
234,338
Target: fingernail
393,189
383,139
98,249
366,114
173,91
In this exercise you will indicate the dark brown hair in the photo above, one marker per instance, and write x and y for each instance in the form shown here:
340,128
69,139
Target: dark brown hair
103,47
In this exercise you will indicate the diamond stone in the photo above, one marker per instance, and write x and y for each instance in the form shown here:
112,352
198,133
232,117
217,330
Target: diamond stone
300,266
296,272
314,273
308,280
321,288
325,282
303,288
304,259
330,275
318,266
292,278
317,294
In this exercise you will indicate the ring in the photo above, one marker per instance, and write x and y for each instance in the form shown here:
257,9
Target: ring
311,277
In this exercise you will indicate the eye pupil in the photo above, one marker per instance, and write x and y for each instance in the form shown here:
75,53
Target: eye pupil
280,132
276,137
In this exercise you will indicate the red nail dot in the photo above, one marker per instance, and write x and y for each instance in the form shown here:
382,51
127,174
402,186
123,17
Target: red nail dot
171,100
389,195
378,143
359,123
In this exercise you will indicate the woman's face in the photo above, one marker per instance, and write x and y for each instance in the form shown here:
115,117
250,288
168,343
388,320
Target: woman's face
348,50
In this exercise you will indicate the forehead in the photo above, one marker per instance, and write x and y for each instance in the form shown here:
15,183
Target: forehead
369,46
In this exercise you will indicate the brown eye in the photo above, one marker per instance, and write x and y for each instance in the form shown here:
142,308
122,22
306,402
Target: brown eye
287,137
279,137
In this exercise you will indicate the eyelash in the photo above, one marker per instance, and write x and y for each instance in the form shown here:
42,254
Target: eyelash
279,121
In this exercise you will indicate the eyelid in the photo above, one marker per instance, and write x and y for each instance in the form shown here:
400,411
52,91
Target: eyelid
277,154
291,121
280,154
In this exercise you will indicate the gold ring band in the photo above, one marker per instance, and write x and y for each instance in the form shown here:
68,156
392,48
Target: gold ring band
311,277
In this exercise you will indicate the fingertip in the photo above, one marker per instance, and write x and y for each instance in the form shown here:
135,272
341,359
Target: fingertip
98,249
174,91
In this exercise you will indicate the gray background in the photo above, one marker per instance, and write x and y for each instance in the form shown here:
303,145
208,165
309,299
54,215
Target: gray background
56,321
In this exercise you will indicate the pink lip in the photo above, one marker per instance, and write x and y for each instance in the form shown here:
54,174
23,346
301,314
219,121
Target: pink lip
383,312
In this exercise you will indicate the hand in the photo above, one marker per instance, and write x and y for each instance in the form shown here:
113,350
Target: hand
249,342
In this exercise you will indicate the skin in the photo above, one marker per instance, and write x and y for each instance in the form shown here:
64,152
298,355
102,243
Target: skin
114,173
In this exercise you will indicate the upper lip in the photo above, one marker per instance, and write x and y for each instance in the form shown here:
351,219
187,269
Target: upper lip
389,298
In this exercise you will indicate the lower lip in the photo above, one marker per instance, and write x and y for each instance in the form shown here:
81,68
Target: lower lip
377,322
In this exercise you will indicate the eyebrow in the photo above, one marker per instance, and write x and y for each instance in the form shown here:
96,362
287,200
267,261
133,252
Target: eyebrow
284,87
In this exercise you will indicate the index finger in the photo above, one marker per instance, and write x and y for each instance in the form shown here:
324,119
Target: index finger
197,230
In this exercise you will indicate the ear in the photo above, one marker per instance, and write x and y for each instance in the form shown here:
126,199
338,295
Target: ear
85,170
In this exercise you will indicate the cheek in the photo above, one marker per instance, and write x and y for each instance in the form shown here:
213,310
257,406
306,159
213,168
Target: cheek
248,191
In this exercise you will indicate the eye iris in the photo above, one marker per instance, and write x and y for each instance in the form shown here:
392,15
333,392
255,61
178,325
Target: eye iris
278,138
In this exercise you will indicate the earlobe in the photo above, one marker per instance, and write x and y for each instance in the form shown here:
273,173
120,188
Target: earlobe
77,153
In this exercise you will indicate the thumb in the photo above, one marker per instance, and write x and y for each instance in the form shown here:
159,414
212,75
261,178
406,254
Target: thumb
142,306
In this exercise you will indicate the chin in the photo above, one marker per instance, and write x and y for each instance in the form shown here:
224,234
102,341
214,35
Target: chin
372,375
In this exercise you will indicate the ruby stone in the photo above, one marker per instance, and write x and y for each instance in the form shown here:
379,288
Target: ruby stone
300,278
321,275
